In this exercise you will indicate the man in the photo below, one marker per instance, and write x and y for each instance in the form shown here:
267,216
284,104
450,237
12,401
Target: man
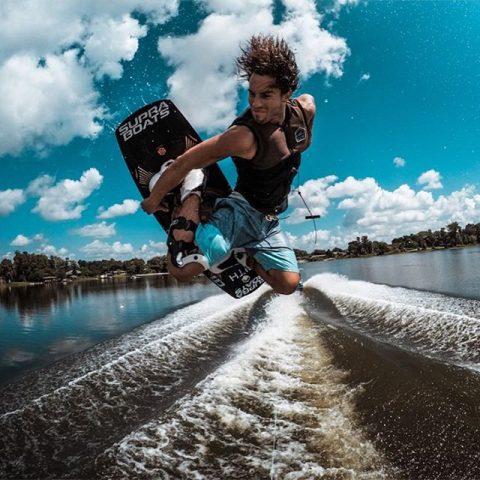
265,143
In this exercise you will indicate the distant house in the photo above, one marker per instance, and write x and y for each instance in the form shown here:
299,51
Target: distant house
72,274
50,279
318,257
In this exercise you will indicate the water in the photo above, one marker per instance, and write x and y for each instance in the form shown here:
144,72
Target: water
41,324
372,373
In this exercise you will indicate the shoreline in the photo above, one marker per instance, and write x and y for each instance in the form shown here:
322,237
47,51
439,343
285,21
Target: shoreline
301,260
80,280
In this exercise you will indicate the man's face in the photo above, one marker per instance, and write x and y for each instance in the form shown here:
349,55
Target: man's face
266,101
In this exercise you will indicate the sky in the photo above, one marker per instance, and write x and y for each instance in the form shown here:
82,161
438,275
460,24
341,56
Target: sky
396,140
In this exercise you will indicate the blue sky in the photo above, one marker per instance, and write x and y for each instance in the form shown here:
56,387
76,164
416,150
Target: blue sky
396,139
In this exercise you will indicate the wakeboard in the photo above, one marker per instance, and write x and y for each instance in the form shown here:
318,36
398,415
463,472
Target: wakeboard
155,134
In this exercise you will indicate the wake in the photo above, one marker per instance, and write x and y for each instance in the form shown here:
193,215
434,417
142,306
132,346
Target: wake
435,325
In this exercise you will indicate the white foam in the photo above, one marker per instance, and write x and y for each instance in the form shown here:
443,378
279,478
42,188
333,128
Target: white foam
145,366
278,387
434,324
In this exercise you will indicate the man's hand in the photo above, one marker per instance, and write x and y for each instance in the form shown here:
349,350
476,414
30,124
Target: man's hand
150,206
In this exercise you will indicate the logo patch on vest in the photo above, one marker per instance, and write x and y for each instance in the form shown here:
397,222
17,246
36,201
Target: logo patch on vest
300,134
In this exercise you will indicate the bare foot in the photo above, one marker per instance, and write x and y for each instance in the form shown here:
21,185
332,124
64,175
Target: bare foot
189,210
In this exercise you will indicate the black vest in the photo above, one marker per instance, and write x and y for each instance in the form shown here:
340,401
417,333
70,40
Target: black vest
266,179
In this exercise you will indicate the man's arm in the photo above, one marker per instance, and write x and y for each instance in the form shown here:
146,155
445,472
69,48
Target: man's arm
236,141
307,102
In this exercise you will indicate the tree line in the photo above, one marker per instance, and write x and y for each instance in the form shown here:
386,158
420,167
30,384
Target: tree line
452,235
31,267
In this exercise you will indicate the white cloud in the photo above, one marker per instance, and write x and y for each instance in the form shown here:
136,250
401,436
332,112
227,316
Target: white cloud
48,104
430,179
102,229
50,54
316,49
318,201
338,5
63,201
127,207
98,249
111,41
399,162
382,214
153,249
10,199
365,77
309,241
54,251
352,186
209,54
20,241
39,185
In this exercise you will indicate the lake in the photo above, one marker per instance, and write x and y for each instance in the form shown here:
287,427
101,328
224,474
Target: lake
372,373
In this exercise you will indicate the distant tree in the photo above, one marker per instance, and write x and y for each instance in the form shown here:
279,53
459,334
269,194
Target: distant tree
300,253
470,234
380,248
354,248
7,270
134,266
157,264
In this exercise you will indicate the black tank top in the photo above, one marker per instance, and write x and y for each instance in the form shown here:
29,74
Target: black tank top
266,179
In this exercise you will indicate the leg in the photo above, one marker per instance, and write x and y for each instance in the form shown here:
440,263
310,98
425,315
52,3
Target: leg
186,273
282,282
278,267
189,210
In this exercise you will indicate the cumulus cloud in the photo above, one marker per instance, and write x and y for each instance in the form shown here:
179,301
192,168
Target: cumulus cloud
20,241
43,248
50,55
399,162
102,229
209,54
153,249
127,207
111,40
381,214
99,249
54,251
48,103
430,180
10,199
309,241
63,201
318,201
365,77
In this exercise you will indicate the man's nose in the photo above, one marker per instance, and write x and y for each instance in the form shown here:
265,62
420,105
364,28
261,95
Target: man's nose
256,102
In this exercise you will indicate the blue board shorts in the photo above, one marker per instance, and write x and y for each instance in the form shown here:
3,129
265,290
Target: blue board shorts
236,224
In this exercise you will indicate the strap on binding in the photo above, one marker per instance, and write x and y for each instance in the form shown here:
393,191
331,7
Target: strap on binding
183,252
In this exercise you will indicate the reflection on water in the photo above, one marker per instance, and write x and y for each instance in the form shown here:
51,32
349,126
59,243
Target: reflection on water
42,323
45,298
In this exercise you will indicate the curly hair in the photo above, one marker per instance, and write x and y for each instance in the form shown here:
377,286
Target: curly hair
268,55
